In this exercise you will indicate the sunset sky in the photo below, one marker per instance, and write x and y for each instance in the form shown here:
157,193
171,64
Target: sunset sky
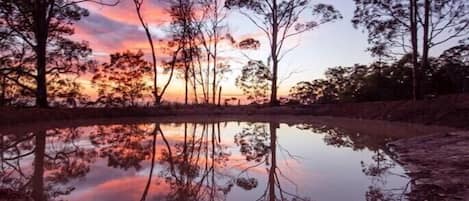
112,29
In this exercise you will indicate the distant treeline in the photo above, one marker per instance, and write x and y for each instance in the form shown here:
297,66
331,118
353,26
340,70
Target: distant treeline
381,81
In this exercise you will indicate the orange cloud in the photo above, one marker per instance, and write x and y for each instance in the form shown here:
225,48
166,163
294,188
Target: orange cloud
127,188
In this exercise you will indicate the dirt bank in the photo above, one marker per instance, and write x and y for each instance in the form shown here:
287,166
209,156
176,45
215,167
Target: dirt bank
451,111
438,165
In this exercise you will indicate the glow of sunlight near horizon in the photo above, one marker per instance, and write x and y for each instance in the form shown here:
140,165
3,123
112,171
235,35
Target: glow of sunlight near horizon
113,29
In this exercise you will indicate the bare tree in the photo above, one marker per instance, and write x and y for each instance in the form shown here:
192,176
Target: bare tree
280,20
213,30
157,95
183,32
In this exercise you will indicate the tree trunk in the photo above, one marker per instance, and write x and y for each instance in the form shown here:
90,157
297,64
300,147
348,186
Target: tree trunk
214,84
41,34
273,52
202,80
3,87
186,79
425,45
171,73
414,41
219,96
186,76
207,84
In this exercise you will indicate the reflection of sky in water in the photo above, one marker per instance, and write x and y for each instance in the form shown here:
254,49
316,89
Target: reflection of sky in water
307,166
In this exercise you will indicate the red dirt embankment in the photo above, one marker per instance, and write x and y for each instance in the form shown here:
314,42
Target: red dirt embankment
452,111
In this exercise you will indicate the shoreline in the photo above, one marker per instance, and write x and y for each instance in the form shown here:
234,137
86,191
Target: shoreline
437,164
449,111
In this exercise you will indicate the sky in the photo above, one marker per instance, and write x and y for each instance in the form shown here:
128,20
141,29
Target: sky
113,29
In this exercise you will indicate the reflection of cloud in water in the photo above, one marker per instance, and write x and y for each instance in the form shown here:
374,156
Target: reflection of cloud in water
126,188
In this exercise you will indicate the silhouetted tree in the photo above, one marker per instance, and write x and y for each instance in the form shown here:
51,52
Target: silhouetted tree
304,92
68,60
394,25
67,92
280,20
138,7
44,26
121,82
158,96
212,30
183,31
381,81
254,81
452,72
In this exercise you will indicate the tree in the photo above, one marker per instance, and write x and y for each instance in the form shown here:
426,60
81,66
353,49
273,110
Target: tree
121,82
451,71
281,20
183,31
44,26
380,81
138,7
254,81
158,96
66,92
212,30
304,92
394,28
67,60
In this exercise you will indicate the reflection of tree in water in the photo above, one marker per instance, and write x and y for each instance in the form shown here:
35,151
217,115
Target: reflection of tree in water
378,170
124,146
340,138
189,167
380,167
258,143
192,165
254,142
56,159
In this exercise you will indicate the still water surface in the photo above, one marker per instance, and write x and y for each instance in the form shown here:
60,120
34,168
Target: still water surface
235,161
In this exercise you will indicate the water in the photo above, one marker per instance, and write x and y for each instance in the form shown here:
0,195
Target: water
233,161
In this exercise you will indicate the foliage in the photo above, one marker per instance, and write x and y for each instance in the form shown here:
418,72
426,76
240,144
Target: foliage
382,81
121,82
388,23
39,32
255,81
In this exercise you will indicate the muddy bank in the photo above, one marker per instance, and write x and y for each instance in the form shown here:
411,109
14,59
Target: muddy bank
450,111
438,165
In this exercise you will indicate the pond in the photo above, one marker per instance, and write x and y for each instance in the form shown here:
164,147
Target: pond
235,161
